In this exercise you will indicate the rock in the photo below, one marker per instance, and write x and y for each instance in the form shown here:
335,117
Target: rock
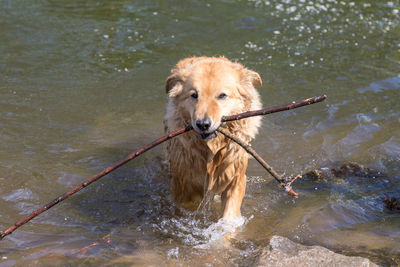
343,171
283,252
322,174
392,203
354,169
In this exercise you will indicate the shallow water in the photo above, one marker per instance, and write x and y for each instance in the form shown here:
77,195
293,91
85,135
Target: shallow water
82,86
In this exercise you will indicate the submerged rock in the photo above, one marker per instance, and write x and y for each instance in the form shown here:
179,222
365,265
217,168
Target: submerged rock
349,169
353,170
392,203
283,252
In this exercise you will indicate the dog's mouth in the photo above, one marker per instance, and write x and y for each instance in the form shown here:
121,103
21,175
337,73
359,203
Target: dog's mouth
206,130
207,136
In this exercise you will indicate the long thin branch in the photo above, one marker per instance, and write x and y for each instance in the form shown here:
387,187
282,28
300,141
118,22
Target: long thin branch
266,166
135,154
265,111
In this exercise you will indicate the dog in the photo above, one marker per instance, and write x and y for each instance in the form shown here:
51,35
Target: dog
204,163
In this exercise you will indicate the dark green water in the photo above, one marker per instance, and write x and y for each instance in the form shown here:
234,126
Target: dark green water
82,86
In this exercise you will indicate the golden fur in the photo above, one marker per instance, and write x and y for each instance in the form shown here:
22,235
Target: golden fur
201,162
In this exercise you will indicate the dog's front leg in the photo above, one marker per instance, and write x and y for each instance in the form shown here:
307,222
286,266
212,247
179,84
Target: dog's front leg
233,195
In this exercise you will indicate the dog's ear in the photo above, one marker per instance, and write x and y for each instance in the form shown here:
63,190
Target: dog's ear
252,77
173,85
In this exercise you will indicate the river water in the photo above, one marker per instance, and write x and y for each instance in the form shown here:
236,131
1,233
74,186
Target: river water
82,86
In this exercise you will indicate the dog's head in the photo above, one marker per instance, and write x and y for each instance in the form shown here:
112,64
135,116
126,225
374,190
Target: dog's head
206,89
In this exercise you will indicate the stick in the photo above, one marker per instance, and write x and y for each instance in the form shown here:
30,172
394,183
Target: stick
166,137
265,111
266,166
105,240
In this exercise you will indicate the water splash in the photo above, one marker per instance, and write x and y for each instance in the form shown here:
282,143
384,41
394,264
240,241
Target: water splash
219,233
198,229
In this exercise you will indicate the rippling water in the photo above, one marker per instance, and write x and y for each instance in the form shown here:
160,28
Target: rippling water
81,86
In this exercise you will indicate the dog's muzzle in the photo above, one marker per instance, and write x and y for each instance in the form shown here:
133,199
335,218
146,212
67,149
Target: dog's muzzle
203,127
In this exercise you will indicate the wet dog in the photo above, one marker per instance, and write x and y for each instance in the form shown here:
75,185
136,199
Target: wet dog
203,163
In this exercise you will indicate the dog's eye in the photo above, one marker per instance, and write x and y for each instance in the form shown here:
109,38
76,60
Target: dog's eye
194,95
222,96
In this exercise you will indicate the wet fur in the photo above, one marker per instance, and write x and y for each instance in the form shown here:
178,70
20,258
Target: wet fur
200,168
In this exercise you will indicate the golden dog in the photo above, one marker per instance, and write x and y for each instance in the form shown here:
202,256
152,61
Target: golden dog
202,163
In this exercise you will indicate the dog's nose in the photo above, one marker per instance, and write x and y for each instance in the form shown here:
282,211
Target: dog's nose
204,124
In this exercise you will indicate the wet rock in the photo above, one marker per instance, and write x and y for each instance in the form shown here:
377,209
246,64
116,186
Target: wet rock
349,169
392,203
283,252
321,174
354,169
